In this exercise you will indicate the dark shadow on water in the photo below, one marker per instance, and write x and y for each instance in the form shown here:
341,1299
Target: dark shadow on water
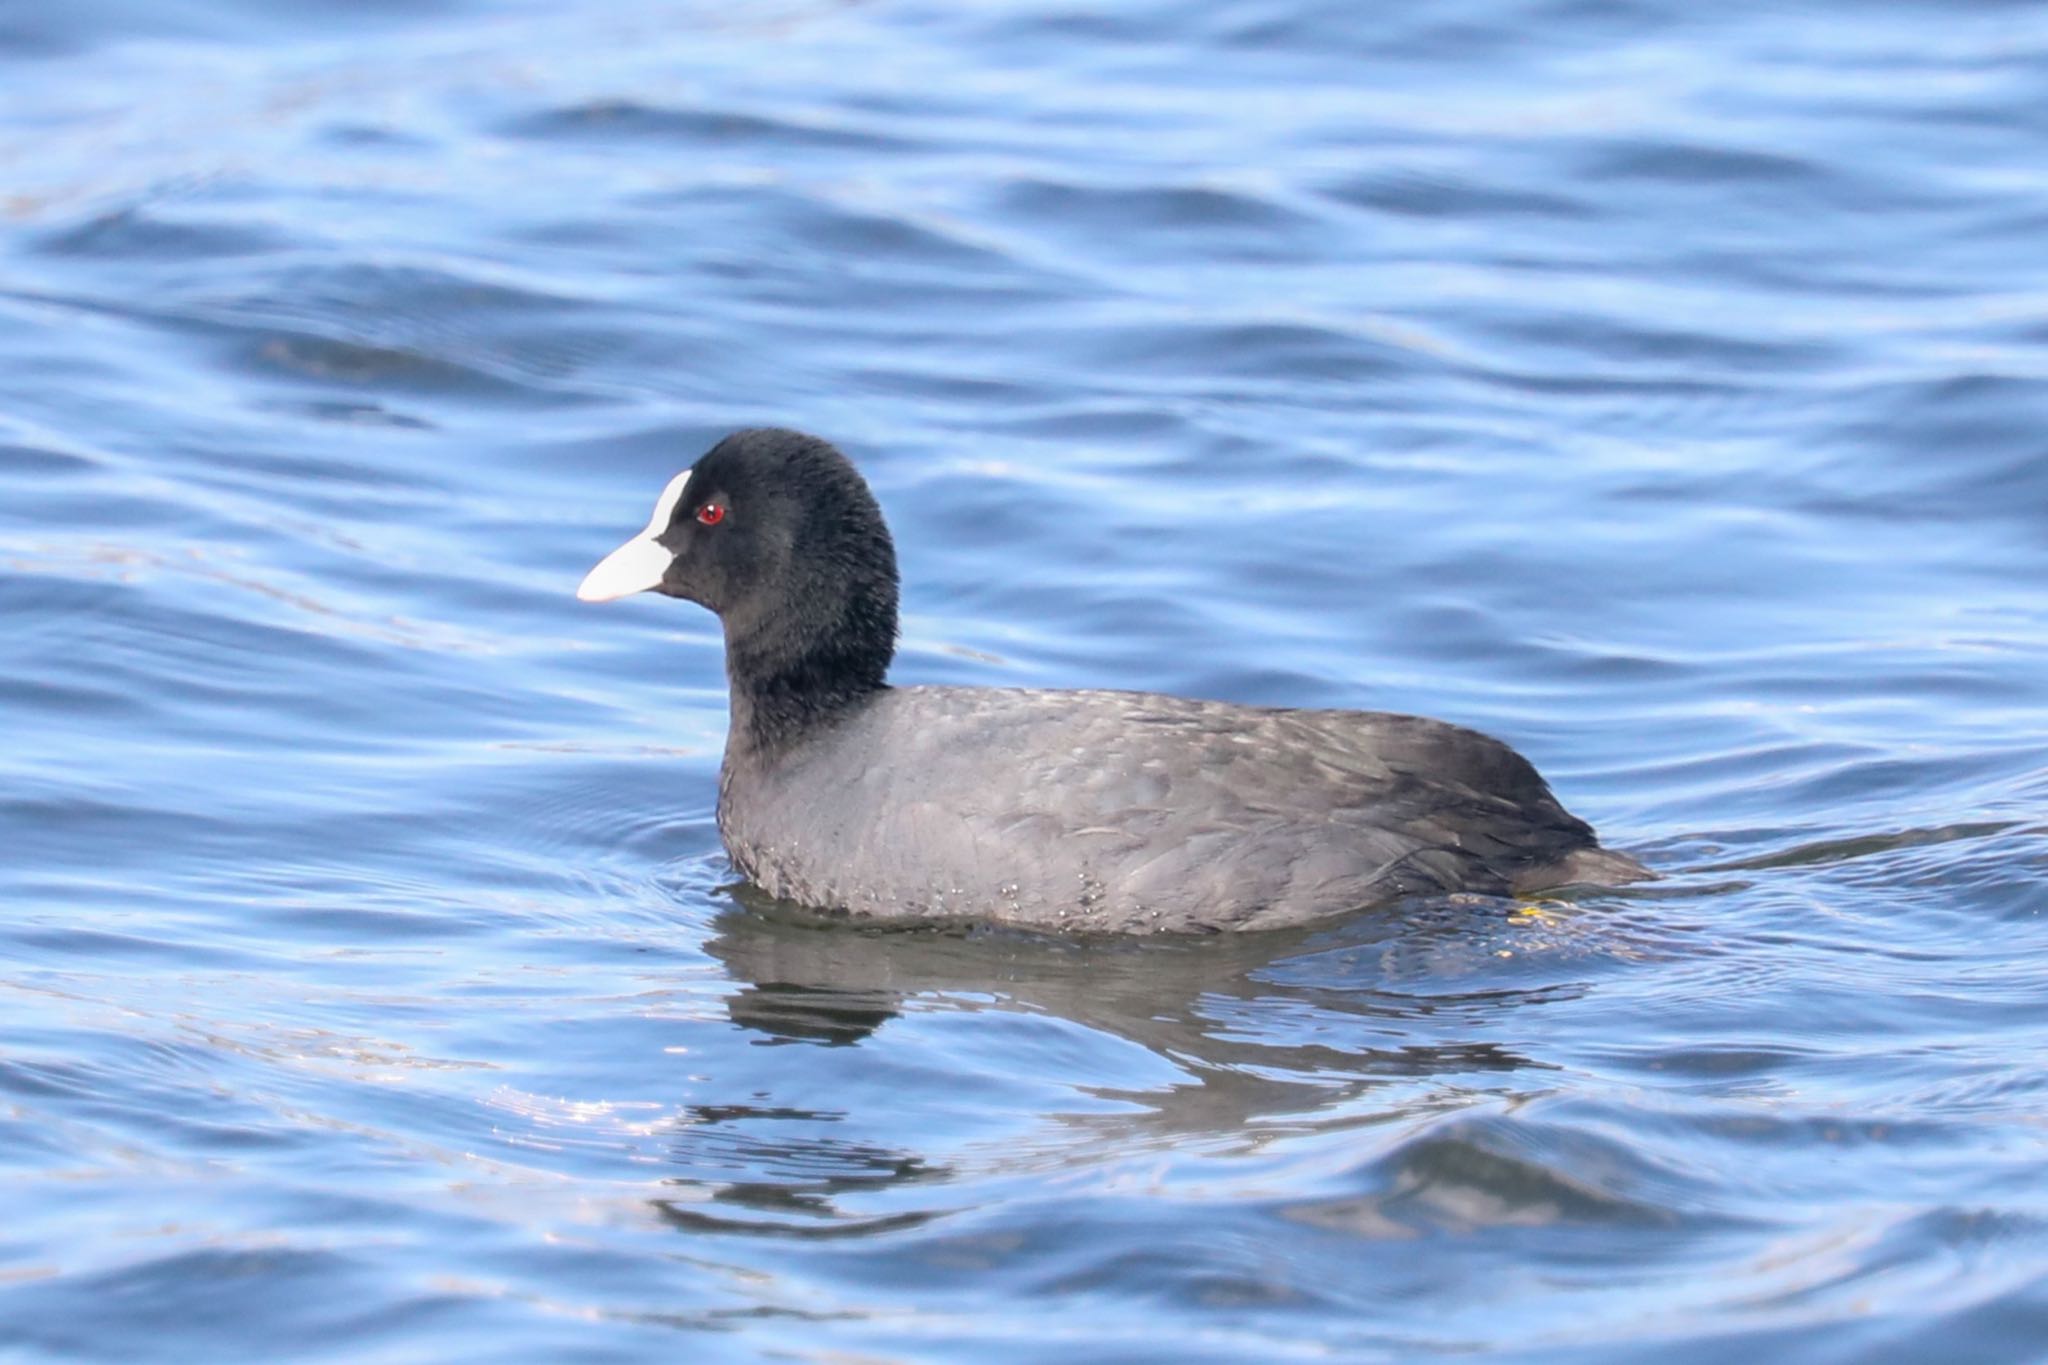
1199,1000
1254,1036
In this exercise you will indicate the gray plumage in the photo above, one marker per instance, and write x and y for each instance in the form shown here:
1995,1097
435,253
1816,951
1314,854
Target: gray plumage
1089,811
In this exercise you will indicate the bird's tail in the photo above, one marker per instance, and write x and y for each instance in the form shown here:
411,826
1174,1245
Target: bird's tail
1589,866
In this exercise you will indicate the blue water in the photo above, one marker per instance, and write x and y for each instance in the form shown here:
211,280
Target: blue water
1661,387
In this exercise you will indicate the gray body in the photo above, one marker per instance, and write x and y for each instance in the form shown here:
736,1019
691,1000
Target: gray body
1130,812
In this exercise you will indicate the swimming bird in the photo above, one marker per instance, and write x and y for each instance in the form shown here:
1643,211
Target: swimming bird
1062,811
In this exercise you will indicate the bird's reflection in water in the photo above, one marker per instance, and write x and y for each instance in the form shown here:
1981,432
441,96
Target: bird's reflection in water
786,1183
1248,1037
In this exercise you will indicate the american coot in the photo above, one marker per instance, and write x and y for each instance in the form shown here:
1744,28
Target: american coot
1078,811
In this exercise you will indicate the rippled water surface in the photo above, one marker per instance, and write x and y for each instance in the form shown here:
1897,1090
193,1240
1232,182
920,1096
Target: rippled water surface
1661,387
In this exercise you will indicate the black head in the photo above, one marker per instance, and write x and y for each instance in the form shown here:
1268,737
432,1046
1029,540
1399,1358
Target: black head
777,533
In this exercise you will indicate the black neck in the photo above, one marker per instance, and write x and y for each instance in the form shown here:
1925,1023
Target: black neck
769,711
784,686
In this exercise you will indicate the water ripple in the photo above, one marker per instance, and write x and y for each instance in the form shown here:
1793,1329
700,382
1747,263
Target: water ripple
1656,387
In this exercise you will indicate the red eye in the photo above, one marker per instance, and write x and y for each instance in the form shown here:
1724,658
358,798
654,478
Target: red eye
711,513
